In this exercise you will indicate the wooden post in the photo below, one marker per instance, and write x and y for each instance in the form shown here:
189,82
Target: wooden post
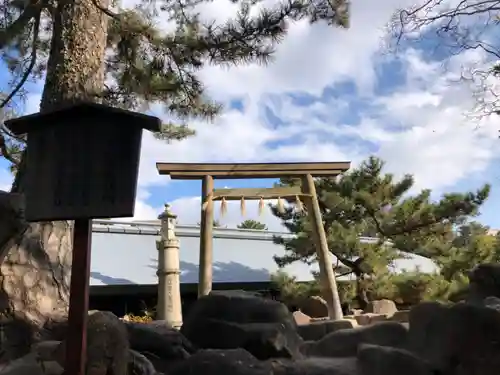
206,229
327,276
76,352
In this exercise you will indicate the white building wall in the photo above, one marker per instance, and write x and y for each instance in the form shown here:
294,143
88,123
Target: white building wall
125,253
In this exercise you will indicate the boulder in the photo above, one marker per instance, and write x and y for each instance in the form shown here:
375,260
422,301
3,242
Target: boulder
383,306
54,330
301,318
262,340
383,360
31,365
317,330
139,364
238,307
46,350
18,335
315,306
316,366
473,341
427,335
229,320
219,362
370,318
345,342
492,302
158,339
402,316
484,281
107,345
461,339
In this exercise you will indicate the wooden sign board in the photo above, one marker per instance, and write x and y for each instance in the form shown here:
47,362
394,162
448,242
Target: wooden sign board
82,161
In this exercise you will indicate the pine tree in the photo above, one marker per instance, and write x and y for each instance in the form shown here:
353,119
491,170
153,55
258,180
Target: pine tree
368,202
472,245
86,51
469,244
252,224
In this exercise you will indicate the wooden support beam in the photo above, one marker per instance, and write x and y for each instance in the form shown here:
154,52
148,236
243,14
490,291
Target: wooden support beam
206,241
242,167
250,170
257,193
198,175
327,276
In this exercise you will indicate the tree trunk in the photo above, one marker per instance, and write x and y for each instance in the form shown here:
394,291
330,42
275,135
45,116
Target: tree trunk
36,268
361,293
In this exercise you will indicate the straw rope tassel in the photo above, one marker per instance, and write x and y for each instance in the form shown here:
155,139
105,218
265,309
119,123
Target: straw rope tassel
242,206
223,207
261,206
281,206
299,206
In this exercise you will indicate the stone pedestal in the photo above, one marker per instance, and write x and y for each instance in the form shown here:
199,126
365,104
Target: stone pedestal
169,306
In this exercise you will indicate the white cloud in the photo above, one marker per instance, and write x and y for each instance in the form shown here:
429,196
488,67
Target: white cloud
417,128
311,57
6,179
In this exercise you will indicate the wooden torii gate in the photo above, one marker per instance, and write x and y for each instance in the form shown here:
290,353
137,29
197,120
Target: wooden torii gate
305,171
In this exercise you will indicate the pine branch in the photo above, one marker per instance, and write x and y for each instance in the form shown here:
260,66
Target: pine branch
4,151
26,74
32,11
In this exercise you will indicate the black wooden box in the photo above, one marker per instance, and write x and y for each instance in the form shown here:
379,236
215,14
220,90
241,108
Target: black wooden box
82,161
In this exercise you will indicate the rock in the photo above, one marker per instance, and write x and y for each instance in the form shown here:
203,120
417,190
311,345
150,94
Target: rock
383,360
18,335
54,330
427,334
219,362
315,306
383,306
238,307
461,339
319,319
107,345
492,302
139,364
31,365
158,339
262,340
46,350
370,318
473,344
484,281
317,330
301,318
266,327
316,366
345,342
402,316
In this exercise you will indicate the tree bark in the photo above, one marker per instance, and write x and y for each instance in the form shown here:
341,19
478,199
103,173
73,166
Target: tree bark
36,265
361,293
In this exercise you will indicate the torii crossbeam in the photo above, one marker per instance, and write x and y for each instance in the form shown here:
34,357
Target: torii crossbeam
305,171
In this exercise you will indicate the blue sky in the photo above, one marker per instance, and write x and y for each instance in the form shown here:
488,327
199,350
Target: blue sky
333,95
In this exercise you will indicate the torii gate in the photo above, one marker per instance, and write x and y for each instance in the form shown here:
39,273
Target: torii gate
305,171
